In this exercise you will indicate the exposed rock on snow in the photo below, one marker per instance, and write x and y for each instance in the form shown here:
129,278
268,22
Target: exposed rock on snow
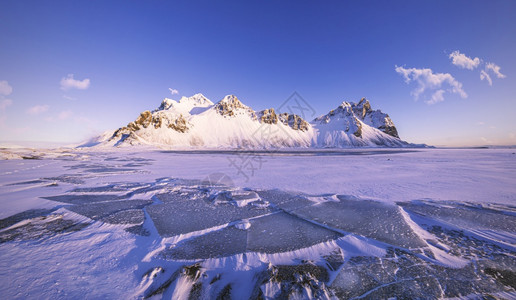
343,115
268,116
294,121
230,106
374,118
197,122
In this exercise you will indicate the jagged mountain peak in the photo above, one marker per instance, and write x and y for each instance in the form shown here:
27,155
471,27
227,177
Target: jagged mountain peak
230,106
166,104
362,107
185,103
363,112
230,99
345,109
363,101
198,99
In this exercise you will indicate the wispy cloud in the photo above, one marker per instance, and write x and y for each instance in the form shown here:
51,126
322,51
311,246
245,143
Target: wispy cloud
69,98
466,62
5,103
484,75
430,82
495,69
436,97
485,140
85,120
173,91
5,88
69,82
66,114
37,109
463,61
63,115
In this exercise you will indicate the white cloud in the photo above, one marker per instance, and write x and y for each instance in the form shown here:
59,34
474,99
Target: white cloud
4,103
66,114
5,88
69,98
173,91
69,82
428,81
437,96
495,69
463,61
486,141
84,120
38,109
484,75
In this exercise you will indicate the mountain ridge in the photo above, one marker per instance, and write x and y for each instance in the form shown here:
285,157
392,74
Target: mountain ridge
197,122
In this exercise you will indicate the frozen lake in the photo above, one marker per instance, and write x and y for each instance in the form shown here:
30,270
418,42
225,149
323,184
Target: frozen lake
364,223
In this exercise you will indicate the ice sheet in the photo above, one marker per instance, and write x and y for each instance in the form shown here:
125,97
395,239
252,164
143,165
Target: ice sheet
180,215
224,242
282,232
431,223
372,219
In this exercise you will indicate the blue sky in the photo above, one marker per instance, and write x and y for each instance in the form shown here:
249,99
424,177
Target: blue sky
72,69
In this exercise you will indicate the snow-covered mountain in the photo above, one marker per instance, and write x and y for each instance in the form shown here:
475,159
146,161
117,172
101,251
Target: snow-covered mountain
355,125
196,122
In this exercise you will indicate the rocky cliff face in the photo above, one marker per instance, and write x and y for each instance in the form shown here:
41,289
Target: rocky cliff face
294,121
156,120
269,116
230,106
374,118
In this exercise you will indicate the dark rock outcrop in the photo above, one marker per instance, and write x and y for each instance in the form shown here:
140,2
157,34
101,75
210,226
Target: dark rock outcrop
231,106
268,116
180,124
294,121
374,118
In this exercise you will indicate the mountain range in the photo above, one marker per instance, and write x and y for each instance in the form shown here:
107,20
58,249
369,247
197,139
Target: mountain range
197,122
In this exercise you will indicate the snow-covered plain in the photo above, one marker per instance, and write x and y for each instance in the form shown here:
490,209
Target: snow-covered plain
355,223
